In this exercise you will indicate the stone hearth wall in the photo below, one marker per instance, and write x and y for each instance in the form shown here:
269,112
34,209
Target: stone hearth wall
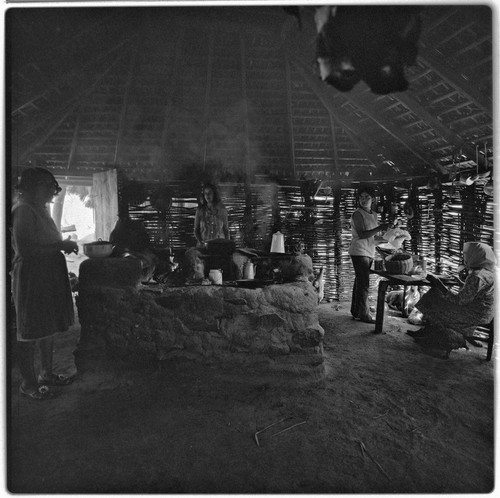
277,324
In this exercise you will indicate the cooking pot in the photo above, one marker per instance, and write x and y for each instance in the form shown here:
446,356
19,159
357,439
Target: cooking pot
222,247
98,249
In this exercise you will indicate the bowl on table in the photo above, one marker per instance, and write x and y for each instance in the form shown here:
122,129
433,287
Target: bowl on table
385,249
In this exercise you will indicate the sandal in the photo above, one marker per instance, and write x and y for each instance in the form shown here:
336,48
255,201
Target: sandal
56,380
43,392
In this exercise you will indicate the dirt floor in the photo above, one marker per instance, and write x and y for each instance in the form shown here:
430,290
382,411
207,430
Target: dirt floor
388,418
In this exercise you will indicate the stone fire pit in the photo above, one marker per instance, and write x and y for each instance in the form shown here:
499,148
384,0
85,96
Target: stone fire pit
273,329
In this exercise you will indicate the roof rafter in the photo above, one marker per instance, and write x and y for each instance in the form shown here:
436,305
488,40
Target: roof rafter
319,90
33,124
61,114
450,76
355,98
453,138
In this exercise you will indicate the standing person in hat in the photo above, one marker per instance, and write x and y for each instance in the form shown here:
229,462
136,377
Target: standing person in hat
40,283
364,227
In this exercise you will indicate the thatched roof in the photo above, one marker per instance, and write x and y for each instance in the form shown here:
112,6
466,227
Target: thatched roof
156,91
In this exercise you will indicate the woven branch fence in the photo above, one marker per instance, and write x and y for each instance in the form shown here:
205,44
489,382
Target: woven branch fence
443,220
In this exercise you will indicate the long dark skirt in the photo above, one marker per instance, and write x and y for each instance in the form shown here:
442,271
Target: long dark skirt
42,296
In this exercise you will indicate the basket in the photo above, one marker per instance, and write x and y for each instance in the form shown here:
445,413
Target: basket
398,264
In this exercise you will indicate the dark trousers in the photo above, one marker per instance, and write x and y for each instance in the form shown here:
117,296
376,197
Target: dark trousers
359,304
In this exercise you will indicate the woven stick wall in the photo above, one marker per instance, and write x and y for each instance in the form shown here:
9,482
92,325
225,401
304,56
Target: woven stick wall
445,220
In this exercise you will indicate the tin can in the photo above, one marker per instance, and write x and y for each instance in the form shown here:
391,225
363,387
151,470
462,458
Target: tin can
215,276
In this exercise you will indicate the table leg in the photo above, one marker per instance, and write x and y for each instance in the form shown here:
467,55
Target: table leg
404,312
379,319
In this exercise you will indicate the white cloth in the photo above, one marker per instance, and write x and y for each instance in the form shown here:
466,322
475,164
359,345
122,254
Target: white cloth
396,237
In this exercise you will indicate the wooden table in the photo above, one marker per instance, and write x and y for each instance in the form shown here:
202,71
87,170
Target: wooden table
405,281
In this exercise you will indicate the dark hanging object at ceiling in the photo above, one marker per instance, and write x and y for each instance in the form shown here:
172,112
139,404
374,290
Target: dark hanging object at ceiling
369,43
294,10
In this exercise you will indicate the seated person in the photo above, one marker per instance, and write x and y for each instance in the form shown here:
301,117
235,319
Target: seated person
451,318
210,223
131,240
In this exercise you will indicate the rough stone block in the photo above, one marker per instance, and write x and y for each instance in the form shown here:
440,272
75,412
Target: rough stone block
203,322
300,265
110,272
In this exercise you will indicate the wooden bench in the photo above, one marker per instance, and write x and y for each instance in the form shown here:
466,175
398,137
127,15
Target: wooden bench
489,331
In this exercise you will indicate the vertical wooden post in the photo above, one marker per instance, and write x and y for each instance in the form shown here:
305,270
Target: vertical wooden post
123,112
337,237
334,143
438,226
379,320
289,112
57,208
168,105
208,91
414,225
246,145
248,216
74,142
248,228
276,216
467,214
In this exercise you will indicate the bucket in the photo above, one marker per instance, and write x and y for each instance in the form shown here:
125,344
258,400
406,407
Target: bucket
278,242
249,271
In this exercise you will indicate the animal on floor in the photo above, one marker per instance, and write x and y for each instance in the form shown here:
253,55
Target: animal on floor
394,299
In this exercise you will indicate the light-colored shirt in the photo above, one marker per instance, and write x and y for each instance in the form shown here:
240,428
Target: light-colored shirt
359,246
